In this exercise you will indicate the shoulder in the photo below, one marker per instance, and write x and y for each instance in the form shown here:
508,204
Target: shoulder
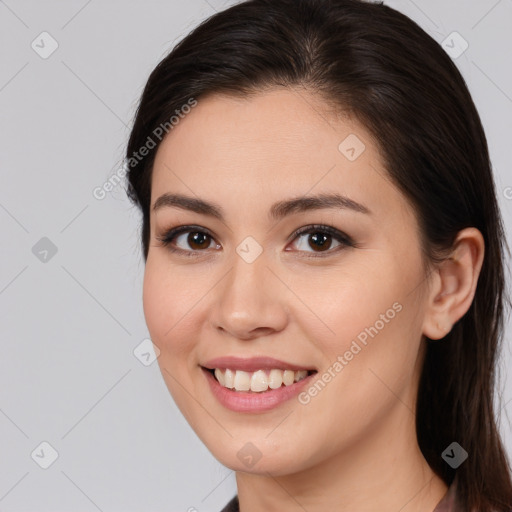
232,506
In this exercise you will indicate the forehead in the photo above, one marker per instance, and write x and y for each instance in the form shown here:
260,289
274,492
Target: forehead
275,144
276,127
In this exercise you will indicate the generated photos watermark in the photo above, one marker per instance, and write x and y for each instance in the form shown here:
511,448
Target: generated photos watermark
100,192
342,360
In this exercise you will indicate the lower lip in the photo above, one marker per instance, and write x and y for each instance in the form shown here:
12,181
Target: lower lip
241,401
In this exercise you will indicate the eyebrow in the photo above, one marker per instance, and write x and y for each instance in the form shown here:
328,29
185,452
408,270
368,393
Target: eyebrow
277,211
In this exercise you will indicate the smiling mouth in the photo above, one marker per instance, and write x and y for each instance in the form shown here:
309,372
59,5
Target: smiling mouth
258,381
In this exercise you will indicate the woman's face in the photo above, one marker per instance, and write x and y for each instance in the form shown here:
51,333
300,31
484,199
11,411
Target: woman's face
242,285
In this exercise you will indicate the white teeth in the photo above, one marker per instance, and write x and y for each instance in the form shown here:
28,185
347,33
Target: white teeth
258,381
220,377
301,374
229,379
288,377
275,379
242,381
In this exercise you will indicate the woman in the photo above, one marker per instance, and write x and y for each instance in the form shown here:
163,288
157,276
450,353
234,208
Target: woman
324,258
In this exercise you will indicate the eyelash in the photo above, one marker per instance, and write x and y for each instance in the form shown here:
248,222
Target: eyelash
339,236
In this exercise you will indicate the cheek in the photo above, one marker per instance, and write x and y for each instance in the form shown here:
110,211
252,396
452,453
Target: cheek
343,302
379,354
154,300
370,318
169,318
167,311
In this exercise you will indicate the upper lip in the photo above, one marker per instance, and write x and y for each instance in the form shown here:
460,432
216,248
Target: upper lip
252,364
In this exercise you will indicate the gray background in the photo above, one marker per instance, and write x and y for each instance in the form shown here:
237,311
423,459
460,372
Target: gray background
70,323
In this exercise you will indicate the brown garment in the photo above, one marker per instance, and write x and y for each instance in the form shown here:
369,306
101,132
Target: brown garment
447,504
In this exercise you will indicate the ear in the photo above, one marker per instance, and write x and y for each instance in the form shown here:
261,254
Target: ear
454,284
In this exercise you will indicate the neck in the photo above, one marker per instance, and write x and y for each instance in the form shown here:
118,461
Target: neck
384,470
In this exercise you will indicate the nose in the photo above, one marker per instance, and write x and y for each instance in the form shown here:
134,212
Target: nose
249,301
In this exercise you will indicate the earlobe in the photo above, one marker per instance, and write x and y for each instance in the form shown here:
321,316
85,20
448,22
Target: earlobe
455,284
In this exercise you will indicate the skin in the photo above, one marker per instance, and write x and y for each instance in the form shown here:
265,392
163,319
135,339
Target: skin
353,446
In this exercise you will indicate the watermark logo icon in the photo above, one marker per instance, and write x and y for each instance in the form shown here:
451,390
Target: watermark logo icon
146,352
249,454
455,45
44,250
352,147
454,455
249,249
44,45
44,455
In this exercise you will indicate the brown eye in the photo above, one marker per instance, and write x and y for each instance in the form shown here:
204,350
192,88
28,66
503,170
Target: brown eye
320,241
192,240
320,238
198,240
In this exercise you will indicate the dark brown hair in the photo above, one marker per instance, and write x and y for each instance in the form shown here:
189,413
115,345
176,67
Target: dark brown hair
375,63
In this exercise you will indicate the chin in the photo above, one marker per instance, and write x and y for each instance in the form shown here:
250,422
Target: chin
259,457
